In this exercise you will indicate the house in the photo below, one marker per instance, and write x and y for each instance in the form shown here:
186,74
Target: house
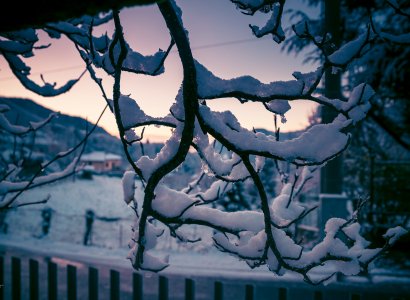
101,161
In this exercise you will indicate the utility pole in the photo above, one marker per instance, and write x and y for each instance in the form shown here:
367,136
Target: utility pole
331,175
332,201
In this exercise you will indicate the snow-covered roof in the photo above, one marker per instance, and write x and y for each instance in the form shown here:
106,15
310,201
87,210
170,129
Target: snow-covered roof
100,156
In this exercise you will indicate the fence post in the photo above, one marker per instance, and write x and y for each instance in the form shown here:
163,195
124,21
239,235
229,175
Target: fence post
92,284
1,278
283,293
355,296
318,295
163,288
115,285
189,289
249,292
369,216
137,286
33,270
52,281
15,278
219,290
71,282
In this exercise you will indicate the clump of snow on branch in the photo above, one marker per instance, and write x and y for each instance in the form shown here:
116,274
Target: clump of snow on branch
347,51
272,25
150,262
21,130
393,234
279,107
358,104
133,116
128,186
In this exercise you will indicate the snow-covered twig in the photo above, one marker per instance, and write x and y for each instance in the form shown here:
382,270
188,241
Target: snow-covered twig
192,185
22,43
21,130
402,39
42,201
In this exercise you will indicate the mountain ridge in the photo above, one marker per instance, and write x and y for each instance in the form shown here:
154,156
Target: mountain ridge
32,111
59,135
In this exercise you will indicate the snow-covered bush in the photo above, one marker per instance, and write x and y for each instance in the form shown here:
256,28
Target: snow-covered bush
258,238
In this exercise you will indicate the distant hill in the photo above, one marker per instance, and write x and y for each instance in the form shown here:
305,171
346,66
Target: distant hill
28,110
60,134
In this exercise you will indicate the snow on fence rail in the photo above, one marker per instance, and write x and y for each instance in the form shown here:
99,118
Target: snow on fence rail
282,293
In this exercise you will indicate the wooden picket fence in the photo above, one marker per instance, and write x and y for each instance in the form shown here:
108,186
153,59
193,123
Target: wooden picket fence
115,285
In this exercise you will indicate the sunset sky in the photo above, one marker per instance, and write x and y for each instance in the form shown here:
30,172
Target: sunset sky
221,40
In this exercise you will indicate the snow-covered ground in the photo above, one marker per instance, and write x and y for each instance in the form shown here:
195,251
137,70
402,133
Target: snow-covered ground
103,195
113,218
69,202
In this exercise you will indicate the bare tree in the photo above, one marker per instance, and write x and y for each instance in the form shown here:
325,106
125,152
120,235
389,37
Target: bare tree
262,237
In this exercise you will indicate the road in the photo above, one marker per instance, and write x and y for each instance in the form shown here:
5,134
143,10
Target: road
234,288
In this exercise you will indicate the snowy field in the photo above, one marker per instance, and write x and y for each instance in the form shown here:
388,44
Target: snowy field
112,228
113,218
69,202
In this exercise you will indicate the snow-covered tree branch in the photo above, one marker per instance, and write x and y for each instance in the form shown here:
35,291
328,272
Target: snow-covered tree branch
402,39
21,43
261,237
257,237
385,65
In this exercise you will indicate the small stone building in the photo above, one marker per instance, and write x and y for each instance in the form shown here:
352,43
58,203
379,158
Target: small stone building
101,161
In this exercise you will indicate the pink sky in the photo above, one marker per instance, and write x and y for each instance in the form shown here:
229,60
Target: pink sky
209,22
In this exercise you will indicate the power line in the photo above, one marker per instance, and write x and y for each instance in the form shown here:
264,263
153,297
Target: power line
48,72
222,44
174,51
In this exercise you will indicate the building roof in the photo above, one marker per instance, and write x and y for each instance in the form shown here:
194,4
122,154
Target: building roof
99,156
